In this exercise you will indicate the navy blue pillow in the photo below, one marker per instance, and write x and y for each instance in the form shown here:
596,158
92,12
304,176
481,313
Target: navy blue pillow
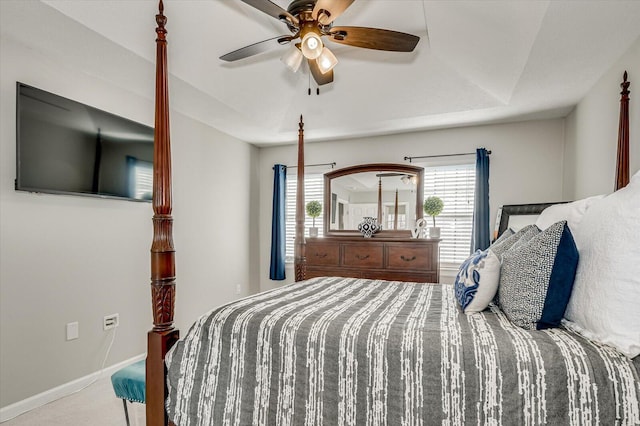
537,278
561,281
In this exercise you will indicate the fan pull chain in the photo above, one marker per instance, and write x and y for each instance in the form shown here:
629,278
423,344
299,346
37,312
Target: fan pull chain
309,84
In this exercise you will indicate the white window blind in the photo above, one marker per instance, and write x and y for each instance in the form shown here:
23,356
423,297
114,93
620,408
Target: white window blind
313,190
455,185
144,180
140,178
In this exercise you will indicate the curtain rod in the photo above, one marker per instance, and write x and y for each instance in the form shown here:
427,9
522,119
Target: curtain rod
443,155
314,165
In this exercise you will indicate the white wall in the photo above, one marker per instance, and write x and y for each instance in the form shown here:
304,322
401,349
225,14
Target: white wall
592,131
72,258
526,164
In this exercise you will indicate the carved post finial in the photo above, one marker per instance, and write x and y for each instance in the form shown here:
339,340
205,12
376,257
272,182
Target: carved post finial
625,85
161,20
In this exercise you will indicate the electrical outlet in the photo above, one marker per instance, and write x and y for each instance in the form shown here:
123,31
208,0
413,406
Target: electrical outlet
238,289
73,330
111,321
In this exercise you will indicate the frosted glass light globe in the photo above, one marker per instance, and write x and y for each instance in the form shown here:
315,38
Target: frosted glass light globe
311,45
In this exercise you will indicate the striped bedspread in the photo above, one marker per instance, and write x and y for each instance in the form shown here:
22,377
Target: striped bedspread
345,351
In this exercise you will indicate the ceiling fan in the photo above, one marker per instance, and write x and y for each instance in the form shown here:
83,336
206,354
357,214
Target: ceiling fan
310,20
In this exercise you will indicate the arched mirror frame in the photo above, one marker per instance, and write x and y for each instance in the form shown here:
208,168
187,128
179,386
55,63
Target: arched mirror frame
373,167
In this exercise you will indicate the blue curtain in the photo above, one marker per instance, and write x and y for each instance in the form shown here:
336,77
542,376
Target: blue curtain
278,234
480,237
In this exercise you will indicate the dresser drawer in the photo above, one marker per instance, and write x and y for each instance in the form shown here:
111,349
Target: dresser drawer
362,255
322,254
410,257
327,271
392,259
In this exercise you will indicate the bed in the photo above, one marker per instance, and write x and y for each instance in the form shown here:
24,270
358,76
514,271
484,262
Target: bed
347,351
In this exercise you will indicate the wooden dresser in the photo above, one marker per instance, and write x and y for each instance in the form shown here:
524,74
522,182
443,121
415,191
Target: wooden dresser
393,259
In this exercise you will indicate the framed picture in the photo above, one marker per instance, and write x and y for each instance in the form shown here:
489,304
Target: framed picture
517,216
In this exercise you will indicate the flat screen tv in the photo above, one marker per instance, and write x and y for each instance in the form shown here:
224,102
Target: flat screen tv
65,147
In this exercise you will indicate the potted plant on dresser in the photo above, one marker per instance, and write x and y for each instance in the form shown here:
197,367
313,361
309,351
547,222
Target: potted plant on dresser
314,208
433,207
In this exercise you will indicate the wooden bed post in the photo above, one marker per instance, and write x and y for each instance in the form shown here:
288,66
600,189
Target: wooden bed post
299,245
379,200
622,161
163,335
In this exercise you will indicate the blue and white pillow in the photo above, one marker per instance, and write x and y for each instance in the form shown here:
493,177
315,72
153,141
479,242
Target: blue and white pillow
537,278
477,281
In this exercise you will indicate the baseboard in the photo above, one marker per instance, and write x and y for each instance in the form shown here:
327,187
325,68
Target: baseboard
20,407
448,275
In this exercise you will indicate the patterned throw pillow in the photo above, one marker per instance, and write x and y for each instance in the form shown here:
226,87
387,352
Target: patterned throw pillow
537,278
523,235
506,234
477,281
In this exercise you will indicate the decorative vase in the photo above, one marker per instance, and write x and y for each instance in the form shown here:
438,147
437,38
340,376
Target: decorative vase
313,232
434,232
368,226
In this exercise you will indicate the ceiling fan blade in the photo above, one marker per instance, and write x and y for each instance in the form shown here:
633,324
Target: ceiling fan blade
273,9
255,48
326,11
375,38
317,74
390,174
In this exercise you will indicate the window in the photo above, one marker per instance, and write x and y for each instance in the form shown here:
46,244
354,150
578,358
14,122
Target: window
390,215
455,185
140,178
313,190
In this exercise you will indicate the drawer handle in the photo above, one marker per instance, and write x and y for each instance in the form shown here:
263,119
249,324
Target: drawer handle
359,257
321,255
406,259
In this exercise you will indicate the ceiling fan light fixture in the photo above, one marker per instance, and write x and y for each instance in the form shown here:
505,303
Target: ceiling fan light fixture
326,61
311,45
292,58
409,179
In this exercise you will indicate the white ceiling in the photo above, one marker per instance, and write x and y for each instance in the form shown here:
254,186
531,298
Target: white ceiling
480,62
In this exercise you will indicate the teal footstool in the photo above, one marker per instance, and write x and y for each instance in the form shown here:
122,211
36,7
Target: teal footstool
128,384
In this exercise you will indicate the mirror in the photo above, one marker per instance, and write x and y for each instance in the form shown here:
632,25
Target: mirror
391,193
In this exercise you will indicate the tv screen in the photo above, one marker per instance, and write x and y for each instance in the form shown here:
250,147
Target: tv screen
65,147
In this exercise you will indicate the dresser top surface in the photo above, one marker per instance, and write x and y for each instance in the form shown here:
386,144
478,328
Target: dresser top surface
373,239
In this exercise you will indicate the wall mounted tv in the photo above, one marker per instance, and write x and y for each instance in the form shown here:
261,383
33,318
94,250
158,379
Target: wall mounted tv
65,147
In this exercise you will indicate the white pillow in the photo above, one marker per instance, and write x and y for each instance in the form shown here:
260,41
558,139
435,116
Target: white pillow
477,281
605,303
571,212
